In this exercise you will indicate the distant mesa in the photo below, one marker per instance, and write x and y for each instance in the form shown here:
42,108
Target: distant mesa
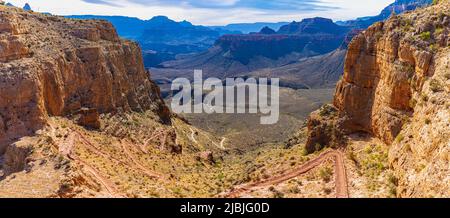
250,27
312,26
267,31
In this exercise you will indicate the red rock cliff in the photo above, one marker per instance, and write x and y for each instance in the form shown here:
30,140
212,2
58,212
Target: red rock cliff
52,66
396,87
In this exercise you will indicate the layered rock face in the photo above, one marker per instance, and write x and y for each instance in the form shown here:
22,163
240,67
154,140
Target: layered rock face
396,87
385,66
52,66
309,37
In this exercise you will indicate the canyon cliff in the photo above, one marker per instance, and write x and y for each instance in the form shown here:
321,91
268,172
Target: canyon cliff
80,116
396,87
52,66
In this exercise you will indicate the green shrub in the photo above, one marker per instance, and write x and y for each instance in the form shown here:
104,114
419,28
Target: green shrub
326,110
400,138
326,173
436,86
439,31
425,36
425,97
433,47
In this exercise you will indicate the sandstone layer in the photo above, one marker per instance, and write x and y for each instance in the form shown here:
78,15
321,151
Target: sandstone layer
396,87
52,66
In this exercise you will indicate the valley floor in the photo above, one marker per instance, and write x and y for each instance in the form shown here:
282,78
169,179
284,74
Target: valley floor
244,130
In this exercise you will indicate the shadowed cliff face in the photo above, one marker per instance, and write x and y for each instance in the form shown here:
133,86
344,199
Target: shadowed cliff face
51,66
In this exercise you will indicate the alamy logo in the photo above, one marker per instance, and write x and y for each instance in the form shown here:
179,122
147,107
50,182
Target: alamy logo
234,95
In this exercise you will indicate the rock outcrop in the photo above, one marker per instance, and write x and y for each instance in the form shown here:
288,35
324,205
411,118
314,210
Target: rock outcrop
396,87
89,118
53,66
16,157
385,66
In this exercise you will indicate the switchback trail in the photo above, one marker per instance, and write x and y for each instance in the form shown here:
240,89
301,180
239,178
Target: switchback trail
134,163
339,168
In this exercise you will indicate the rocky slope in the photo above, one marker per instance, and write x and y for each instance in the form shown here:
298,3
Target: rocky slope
396,87
50,66
80,117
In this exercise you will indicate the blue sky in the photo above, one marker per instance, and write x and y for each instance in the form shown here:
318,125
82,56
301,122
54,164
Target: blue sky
214,12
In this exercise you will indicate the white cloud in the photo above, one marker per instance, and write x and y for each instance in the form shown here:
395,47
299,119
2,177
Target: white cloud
347,9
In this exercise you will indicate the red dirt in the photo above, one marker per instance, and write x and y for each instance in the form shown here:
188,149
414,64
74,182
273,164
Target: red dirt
340,175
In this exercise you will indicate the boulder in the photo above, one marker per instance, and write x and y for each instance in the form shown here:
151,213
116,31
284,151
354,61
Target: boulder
89,118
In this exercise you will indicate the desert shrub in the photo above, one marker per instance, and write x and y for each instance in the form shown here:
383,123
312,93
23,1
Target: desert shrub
327,191
424,97
425,36
326,110
439,31
378,35
447,76
433,47
352,156
392,179
436,86
412,103
400,138
294,189
326,173
318,147
393,191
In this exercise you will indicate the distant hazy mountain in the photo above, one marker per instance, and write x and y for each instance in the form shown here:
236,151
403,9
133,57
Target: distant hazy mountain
234,55
315,25
309,37
161,38
250,27
320,71
267,31
398,7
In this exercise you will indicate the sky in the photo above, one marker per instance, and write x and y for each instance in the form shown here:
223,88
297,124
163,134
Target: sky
214,12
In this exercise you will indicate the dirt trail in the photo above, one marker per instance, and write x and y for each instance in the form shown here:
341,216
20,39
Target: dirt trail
139,165
193,133
222,143
112,191
340,175
130,157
